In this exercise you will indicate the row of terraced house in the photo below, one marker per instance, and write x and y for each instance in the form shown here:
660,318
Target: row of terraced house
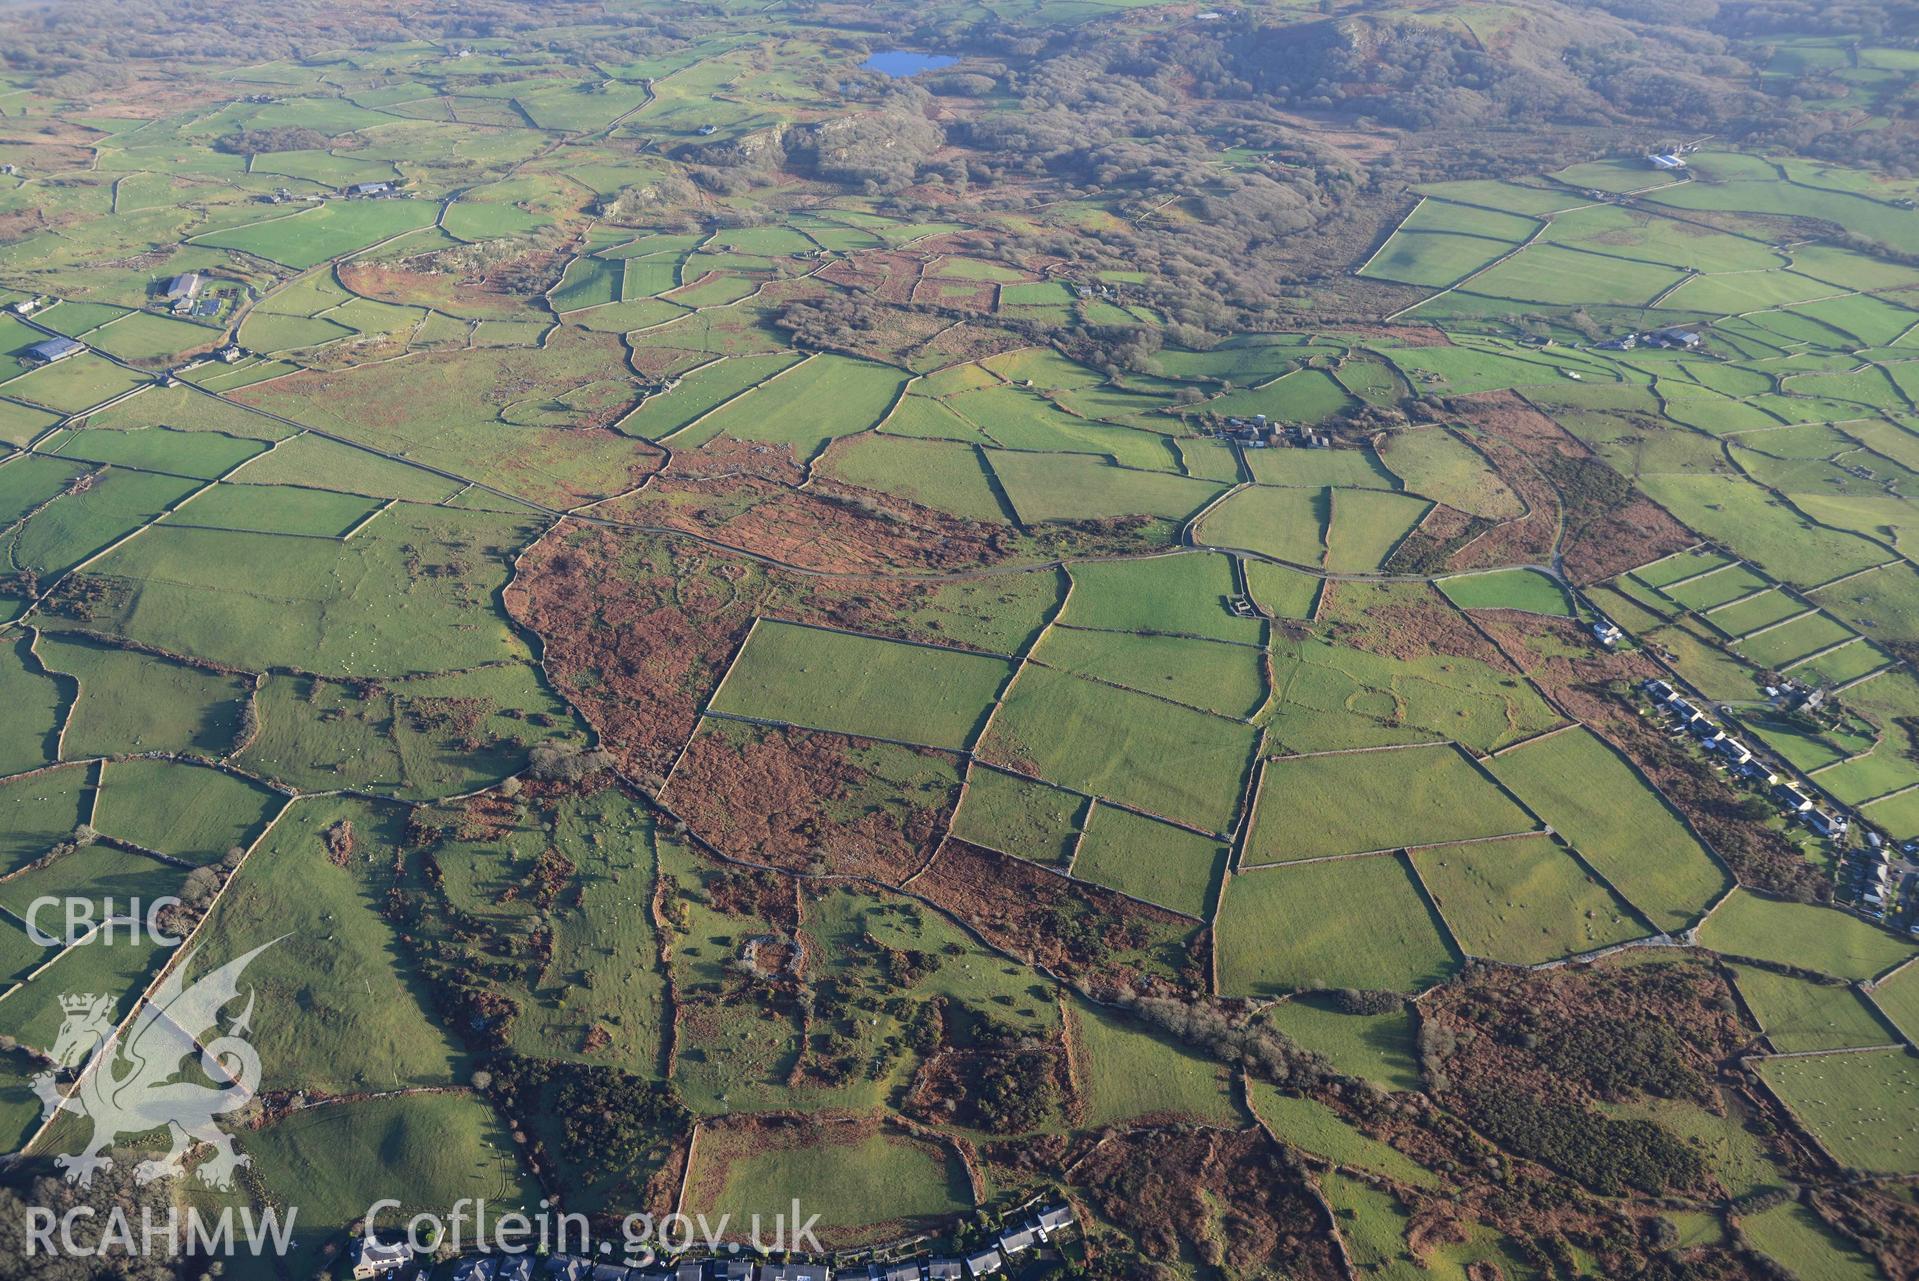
379,1261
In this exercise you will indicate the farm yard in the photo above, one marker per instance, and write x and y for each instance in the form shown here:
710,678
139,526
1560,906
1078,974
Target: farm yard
743,628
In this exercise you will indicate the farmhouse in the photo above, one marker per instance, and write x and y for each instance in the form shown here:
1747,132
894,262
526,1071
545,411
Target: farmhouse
1681,339
370,189
54,349
25,307
1607,633
1667,161
185,286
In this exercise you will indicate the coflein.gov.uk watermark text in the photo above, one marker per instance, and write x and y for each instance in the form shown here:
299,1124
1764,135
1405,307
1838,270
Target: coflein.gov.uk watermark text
467,1227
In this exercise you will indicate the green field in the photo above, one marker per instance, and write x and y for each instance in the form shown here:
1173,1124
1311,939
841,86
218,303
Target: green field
1131,1075
949,478
1367,526
365,606
1315,1128
422,738
872,1180
1353,803
326,231
1184,595
1800,1241
1447,469
1376,1047
1856,1104
1619,825
1897,998
1523,901
188,811
806,406
1017,816
1050,487
130,701
1210,675
700,391
363,1022
1358,923
1525,589
1797,1015
1803,935
425,1151
1151,860
1286,524
1180,764
861,685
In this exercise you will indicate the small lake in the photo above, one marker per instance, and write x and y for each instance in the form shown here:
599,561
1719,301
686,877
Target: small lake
901,62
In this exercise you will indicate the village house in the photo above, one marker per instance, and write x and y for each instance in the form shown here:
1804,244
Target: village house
1054,1219
1735,752
376,1259
1658,690
1794,801
475,1268
514,1267
1705,729
793,1272
985,1262
1014,1241
1832,825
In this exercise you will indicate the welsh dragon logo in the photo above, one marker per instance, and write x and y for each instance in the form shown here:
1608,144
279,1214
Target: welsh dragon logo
130,1081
